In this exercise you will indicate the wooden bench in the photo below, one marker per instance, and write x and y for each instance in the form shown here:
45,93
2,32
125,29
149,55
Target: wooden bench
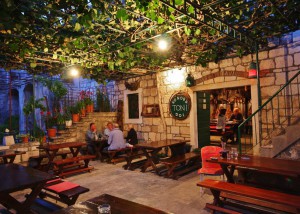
73,165
36,161
188,161
130,156
259,198
112,155
68,196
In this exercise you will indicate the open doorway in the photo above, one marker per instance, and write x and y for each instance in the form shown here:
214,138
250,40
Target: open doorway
229,98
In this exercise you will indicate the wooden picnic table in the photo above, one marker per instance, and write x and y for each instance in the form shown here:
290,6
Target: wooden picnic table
98,146
69,165
262,164
52,150
8,156
15,178
176,146
118,206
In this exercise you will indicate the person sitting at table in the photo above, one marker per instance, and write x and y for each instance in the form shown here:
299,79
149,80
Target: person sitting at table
92,135
109,128
237,119
132,136
116,139
221,120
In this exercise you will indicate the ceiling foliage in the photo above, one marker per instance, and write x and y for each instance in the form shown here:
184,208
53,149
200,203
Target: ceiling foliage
118,39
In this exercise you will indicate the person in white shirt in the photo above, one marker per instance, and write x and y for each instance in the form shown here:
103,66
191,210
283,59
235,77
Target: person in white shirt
109,128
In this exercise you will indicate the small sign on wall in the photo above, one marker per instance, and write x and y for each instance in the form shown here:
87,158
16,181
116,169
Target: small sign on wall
180,105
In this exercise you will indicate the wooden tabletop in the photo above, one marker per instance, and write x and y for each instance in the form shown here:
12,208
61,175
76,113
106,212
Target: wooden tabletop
264,164
56,146
16,177
118,206
160,144
9,152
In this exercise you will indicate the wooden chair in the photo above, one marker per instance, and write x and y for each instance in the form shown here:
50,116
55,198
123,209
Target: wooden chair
210,168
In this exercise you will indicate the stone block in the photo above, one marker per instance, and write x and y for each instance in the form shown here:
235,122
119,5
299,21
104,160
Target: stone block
161,128
241,68
230,78
212,65
226,62
219,79
263,55
230,68
150,100
266,81
237,61
175,130
153,92
266,64
294,49
284,61
148,120
150,83
152,136
146,129
156,121
280,78
184,130
208,82
269,90
297,59
277,52
154,129
169,121
248,59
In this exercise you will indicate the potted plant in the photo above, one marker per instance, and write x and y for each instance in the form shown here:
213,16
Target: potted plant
23,137
74,110
68,117
61,122
50,125
30,106
89,104
81,107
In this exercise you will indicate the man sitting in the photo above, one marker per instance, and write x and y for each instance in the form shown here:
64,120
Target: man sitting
91,136
109,128
116,139
237,118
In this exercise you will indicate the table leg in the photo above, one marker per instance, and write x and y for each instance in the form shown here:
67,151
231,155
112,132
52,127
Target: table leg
229,174
51,155
75,151
21,207
150,160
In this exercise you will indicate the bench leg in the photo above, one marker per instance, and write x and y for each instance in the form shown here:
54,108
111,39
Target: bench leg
217,200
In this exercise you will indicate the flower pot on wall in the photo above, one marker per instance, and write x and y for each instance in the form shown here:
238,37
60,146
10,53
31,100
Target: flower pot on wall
51,132
90,108
68,123
75,118
82,112
25,139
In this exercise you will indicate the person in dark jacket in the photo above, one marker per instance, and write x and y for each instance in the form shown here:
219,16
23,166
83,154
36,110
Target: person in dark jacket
132,136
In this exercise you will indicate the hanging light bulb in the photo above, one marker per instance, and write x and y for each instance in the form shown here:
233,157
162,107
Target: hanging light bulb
162,44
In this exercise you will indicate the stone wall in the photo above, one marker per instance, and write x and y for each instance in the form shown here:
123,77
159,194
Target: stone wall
277,66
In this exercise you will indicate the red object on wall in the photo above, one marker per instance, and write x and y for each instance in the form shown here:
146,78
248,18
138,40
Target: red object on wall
252,73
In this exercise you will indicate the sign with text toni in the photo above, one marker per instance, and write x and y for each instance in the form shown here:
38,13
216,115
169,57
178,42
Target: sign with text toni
180,105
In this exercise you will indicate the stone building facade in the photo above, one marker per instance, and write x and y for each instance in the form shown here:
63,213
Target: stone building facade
277,66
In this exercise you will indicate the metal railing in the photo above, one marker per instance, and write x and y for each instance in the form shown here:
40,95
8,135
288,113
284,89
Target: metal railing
271,119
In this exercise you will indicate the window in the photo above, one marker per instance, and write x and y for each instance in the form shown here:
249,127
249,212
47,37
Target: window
133,106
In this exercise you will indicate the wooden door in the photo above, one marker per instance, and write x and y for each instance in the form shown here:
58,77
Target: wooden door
203,118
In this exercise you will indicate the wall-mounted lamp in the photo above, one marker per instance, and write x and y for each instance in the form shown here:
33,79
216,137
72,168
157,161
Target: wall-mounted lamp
252,72
189,81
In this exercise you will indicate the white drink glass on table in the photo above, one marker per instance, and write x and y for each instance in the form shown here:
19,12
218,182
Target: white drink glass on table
235,153
104,209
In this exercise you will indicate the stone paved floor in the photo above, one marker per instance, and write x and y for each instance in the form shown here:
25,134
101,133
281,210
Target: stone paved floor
175,196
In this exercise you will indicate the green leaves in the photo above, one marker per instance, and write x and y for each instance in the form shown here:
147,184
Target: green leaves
122,14
77,27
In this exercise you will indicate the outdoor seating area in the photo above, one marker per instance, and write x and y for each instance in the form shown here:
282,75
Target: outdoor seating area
143,107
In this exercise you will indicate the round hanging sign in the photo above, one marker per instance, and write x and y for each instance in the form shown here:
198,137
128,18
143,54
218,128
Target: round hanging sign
180,105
